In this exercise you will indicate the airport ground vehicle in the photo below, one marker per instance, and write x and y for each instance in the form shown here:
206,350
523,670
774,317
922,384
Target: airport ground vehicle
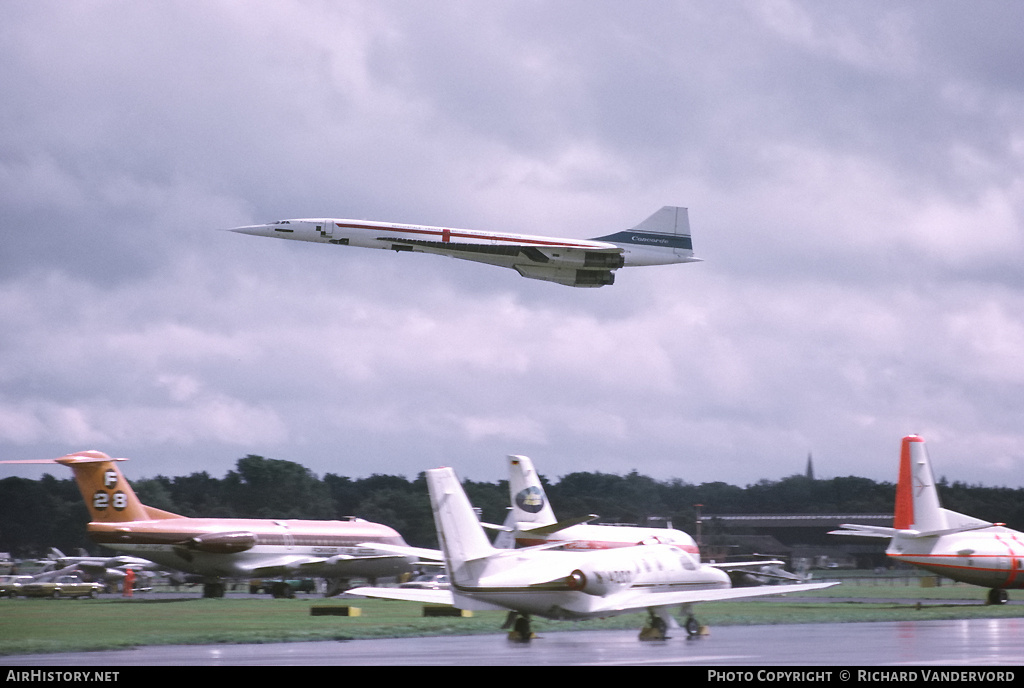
279,588
10,586
64,586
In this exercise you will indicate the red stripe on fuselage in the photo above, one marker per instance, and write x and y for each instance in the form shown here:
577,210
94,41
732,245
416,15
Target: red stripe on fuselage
603,544
1014,559
927,561
430,231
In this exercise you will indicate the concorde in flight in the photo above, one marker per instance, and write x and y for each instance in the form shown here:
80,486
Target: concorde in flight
539,581
945,542
661,239
224,548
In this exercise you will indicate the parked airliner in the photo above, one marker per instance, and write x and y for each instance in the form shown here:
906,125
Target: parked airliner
219,548
539,581
661,239
945,542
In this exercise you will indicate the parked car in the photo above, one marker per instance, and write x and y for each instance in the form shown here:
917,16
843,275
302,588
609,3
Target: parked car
63,586
10,586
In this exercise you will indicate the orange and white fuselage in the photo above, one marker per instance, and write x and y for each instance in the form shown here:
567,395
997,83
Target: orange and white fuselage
217,548
239,547
951,544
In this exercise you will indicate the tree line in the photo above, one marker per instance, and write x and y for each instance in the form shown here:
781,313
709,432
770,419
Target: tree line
38,514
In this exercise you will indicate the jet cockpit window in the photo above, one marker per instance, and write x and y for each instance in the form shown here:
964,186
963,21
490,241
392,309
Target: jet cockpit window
686,559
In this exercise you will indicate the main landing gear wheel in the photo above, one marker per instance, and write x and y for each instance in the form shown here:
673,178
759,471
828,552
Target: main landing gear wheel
282,590
211,590
997,596
520,625
656,629
692,627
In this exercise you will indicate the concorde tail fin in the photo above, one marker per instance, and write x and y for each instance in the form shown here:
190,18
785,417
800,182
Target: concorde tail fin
667,230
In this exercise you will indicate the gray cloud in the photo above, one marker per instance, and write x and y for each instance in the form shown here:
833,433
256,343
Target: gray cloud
853,174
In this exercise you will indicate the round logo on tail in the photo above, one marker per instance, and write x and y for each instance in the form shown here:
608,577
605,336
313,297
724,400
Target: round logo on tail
530,500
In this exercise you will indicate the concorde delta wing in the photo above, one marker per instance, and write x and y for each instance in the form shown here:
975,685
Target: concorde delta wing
561,263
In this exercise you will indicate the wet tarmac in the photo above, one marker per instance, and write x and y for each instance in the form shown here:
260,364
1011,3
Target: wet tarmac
964,643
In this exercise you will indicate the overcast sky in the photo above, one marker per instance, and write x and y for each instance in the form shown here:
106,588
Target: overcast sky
854,174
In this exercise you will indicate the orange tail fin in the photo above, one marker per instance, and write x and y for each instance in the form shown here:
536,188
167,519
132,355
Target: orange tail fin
107,495
904,513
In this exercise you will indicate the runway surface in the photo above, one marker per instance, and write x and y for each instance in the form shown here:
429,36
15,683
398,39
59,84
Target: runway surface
967,643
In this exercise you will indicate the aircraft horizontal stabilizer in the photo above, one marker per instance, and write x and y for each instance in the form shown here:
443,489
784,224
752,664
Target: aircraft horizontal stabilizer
946,531
882,532
555,527
425,595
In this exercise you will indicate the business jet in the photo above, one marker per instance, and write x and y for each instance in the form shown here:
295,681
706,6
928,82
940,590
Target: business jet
540,581
945,542
532,521
661,239
224,548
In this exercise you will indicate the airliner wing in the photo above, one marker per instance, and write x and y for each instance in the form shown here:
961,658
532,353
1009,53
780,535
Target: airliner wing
283,565
310,566
864,531
737,565
636,598
405,550
426,595
758,568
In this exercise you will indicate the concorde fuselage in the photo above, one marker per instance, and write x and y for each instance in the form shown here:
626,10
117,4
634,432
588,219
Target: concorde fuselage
643,250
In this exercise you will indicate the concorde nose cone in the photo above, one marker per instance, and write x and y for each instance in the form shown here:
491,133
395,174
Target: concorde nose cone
255,230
